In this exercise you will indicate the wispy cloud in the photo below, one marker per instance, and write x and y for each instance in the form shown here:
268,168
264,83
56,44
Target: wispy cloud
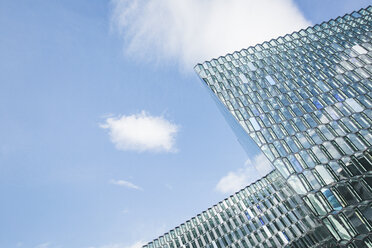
137,244
191,31
252,171
43,245
141,132
168,186
125,184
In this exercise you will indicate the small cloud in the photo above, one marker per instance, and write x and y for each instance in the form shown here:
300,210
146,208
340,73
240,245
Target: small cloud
124,183
141,132
125,211
252,171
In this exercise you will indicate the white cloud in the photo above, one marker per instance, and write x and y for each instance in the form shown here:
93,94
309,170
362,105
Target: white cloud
252,171
262,164
142,132
126,184
191,31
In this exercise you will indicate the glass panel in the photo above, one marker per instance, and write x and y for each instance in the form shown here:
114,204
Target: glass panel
254,123
311,179
316,204
359,49
331,229
340,229
243,78
332,199
270,80
354,105
296,184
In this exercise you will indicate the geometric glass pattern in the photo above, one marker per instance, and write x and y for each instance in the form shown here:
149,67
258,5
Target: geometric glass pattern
305,99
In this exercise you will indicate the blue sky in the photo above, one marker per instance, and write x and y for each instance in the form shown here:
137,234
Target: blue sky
84,88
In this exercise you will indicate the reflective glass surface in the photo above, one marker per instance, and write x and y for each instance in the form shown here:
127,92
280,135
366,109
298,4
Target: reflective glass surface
305,99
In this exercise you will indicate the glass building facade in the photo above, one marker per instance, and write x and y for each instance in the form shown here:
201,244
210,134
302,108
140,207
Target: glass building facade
267,213
305,99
